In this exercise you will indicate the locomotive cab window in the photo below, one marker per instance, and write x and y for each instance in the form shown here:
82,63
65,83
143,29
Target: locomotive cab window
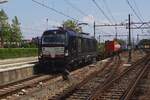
54,38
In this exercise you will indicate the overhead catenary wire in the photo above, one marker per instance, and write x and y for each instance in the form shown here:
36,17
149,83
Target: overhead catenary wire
101,10
134,10
139,17
109,11
139,13
31,29
59,12
138,9
76,8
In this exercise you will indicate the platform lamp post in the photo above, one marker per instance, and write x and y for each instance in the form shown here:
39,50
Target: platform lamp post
1,39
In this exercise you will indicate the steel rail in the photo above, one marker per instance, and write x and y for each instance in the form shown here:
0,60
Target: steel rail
68,93
106,86
132,87
18,86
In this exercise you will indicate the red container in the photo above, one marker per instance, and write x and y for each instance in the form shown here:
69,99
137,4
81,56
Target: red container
112,46
109,46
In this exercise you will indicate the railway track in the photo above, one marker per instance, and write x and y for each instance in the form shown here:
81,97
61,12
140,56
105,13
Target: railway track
87,86
83,90
127,95
141,89
106,84
21,87
122,87
16,87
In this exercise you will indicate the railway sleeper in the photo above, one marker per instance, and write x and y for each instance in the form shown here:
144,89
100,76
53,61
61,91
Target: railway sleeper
83,89
116,91
112,97
88,88
82,92
108,98
76,98
113,93
80,95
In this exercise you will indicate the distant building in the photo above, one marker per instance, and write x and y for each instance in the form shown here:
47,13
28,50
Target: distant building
35,40
26,41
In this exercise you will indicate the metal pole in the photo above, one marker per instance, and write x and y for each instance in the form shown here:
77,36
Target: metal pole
129,43
94,29
47,22
116,32
133,43
99,39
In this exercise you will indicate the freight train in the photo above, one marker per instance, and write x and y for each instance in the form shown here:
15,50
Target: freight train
144,45
111,48
63,48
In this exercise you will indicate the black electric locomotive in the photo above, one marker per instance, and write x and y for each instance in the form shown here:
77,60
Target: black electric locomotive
62,49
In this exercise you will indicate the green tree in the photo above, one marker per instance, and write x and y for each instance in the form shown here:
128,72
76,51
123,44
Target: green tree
73,25
121,42
5,27
16,35
144,42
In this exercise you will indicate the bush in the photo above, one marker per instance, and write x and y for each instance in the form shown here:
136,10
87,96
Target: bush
6,53
29,45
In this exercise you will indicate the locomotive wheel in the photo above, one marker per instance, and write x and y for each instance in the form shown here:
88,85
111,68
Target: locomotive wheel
94,60
65,77
65,74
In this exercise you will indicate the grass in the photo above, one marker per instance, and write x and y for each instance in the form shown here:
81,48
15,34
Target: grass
6,53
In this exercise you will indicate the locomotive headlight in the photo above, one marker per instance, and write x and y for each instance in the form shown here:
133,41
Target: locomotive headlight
66,53
43,50
40,54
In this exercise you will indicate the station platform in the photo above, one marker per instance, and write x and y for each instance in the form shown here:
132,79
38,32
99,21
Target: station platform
12,70
17,60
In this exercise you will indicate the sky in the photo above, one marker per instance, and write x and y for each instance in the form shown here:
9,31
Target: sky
33,17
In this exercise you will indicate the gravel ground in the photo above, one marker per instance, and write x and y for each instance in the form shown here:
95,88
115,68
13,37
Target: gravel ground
43,91
142,91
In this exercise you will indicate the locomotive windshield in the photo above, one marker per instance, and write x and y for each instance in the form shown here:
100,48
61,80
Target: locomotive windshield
54,38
